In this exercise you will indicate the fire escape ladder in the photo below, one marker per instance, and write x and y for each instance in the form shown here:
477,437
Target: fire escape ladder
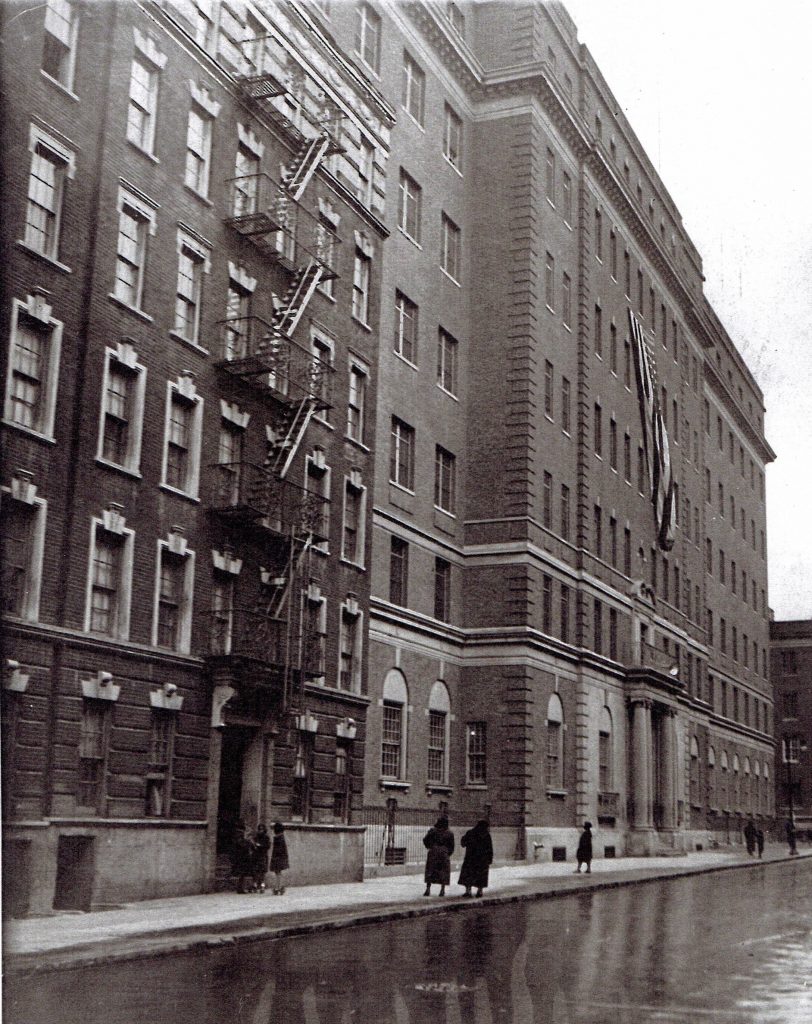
290,311
295,620
290,443
304,164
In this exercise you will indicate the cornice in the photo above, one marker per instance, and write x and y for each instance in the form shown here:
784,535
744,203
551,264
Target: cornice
454,51
753,436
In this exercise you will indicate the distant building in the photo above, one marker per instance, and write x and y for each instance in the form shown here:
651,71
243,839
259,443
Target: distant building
791,675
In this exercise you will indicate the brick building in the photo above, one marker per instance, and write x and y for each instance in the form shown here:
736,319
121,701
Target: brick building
192,279
791,675
218,602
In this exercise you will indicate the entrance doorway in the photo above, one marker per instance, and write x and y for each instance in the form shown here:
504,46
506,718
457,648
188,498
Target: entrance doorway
74,873
232,763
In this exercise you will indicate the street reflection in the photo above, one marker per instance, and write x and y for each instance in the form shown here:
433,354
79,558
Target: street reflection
734,946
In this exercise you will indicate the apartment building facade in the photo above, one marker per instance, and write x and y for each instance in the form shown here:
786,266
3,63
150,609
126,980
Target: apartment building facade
791,674
192,283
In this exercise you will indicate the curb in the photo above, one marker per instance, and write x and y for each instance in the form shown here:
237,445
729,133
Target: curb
256,929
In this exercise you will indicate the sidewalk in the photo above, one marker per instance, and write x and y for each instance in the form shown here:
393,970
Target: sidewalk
182,923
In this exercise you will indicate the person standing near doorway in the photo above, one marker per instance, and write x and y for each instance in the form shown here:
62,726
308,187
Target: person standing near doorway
242,849
584,852
279,857
439,841
262,843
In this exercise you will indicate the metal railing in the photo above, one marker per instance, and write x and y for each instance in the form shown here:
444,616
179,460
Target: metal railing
638,654
395,836
247,633
250,346
254,491
609,804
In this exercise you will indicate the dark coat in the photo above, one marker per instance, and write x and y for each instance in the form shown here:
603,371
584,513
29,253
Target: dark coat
279,854
242,855
478,857
440,844
262,843
584,851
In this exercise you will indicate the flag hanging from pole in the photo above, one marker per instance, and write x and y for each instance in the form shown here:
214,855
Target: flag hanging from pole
655,437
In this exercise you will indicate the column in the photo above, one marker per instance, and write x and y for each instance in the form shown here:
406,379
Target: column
669,767
641,757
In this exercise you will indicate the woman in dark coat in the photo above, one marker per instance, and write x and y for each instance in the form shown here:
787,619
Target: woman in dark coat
478,858
584,852
241,858
439,841
262,844
279,857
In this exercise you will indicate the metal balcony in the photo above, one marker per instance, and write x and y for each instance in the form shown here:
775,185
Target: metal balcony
643,661
247,635
243,492
250,347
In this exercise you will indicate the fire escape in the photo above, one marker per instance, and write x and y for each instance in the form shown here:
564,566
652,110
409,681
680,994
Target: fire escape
269,637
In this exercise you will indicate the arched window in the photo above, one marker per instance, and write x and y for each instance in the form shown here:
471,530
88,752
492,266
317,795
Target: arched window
712,794
605,753
393,727
736,784
724,783
439,720
748,803
555,743
694,775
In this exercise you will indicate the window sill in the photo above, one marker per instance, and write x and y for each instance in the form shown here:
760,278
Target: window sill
357,444
62,88
453,280
198,195
119,469
475,787
400,497
409,238
412,118
44,257
323,422
181,494
450,394
452,165
143,152
48,438
131,309
438,787
361,323
556,794
403,359
321,551
394,784
445,521
354,565
189,343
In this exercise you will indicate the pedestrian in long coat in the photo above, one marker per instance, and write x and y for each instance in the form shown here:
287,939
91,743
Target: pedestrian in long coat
750,836
760,842
242,867
279,857
584,852
439,841
478,858
262,844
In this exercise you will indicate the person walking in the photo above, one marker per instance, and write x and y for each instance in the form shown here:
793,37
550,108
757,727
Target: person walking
584,852
478,858
262,844
439,841
760,842
791,837
750,837
279,857
242,857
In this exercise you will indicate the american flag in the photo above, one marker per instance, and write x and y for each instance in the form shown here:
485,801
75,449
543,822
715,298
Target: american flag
655,437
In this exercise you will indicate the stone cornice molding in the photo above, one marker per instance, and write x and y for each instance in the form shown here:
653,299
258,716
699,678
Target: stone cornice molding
721,389
453,50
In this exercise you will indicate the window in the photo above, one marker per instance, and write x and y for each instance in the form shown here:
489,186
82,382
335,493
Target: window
613,254
555,743
445,480
349,654
192,264
693,776
447,362
613,348
452,138
109,579
401,455
122,410
613,541
198,150
33,368
236,327
184,418
789,663
51,165
566,300
393,732
317,485
598,234
627,363
406,320
598,327
22,544
353,532
565,613
597,627
93,729
548,388
439,715
627,551
565,512
549,280
565,405
627,458
598,430
229,462
368,36
162,735
366,172
566,188
356,402
173,606
476,753
547,501
59,45
135,220
605,751
409,213
641,470
450,251
398,571
143,104
442,589
547,604
316,612
360,287
203,17
597,530
613,444
222,613
627,274
550,175
640,291
413,87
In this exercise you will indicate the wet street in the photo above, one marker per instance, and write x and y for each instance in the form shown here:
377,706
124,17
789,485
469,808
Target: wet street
734,946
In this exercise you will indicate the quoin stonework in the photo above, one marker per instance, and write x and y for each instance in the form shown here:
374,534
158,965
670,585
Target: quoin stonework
370,448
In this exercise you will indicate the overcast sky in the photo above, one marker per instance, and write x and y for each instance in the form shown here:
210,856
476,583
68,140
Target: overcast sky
720,95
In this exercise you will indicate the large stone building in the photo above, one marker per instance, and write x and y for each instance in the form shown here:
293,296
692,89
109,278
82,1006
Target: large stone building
348,344
791,676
